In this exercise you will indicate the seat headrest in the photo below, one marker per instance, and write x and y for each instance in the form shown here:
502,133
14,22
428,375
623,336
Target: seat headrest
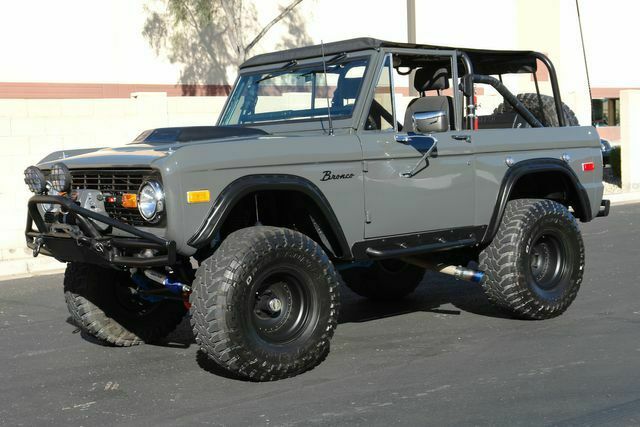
431,79
348,88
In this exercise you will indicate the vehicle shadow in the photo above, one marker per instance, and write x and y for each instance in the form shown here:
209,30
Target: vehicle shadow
435,291
181,337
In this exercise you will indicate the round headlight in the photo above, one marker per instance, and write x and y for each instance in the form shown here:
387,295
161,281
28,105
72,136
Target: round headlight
151,200
49,207
60,178
35,179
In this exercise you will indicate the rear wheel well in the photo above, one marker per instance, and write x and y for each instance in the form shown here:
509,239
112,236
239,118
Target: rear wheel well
279,208
552,185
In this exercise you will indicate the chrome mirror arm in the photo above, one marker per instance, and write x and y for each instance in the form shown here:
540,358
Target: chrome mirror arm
424,158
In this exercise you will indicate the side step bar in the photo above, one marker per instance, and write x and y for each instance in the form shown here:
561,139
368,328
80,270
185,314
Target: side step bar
421,249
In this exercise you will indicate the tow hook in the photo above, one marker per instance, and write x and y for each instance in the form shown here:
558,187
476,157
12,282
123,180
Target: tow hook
39,242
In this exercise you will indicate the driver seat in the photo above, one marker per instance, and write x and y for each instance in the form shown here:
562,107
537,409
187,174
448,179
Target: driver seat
428,79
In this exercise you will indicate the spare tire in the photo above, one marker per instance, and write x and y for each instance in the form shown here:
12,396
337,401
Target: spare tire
547,116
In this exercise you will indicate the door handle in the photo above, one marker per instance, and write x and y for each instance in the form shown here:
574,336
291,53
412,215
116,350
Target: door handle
403,138
465,138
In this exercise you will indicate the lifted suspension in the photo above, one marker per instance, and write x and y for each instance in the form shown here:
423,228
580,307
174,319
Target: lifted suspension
154,286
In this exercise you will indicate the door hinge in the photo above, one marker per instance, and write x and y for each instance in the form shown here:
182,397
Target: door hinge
365,166
367,217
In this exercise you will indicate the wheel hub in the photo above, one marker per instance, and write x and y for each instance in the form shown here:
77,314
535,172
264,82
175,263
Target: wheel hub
275,305
546,258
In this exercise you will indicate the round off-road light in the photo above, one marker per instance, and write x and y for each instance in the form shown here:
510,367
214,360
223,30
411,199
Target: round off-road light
35,179
49,207
151,200
60,178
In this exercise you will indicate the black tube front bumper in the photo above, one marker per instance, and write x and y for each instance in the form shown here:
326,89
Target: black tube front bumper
77,239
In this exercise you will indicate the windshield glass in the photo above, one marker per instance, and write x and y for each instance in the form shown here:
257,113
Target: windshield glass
295,94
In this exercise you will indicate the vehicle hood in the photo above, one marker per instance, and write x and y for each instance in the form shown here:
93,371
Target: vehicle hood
128,156
150,146
186,134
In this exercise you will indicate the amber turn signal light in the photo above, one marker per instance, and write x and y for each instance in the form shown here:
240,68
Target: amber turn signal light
198,196
129,200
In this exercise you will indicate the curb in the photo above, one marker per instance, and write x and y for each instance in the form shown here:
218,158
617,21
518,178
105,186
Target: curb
622,198
21,268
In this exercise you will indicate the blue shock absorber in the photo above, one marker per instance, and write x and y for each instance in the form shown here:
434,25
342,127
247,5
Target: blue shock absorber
144,284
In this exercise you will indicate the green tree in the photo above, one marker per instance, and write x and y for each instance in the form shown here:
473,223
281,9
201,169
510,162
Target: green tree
210,38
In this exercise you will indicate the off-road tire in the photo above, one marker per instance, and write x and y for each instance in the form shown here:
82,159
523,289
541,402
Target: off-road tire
384,280
547,115
239,336
535,263
94,297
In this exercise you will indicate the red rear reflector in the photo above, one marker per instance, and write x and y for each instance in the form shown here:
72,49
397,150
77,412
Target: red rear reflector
588,167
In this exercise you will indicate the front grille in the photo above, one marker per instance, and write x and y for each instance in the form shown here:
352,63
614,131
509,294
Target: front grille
114,183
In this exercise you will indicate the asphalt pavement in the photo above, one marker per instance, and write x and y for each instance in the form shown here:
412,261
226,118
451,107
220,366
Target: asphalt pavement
441,357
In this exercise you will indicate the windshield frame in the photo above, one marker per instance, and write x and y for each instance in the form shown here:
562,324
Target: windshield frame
310,123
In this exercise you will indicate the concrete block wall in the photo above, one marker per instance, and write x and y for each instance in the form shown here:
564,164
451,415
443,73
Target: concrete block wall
630,138
31,128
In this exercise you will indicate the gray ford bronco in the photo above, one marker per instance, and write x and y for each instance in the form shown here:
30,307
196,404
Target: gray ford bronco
360,162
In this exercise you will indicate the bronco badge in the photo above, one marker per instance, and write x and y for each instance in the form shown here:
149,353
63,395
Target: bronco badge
328,176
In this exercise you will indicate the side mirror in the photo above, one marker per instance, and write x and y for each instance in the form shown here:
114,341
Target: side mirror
427,145
430,121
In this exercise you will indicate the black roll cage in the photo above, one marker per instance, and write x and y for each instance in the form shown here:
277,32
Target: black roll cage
480,64
469,79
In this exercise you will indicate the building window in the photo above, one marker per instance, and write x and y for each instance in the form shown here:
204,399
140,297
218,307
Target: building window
605,112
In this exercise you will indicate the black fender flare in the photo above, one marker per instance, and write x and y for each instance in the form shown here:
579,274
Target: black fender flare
525,167
245,185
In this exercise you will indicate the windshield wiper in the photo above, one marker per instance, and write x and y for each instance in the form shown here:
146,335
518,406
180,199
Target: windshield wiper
337,58
286,66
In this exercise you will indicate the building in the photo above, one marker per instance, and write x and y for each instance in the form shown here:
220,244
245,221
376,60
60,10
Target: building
85,73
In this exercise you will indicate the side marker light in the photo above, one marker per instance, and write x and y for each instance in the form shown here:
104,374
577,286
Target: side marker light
198,196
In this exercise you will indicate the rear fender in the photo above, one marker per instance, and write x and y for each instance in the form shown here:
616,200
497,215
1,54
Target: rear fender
526,167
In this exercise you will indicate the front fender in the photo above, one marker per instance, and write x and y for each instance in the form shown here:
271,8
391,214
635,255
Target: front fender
241,187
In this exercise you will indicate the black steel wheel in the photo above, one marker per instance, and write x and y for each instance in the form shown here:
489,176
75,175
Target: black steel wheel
535,263
550,261
265,305
283,306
